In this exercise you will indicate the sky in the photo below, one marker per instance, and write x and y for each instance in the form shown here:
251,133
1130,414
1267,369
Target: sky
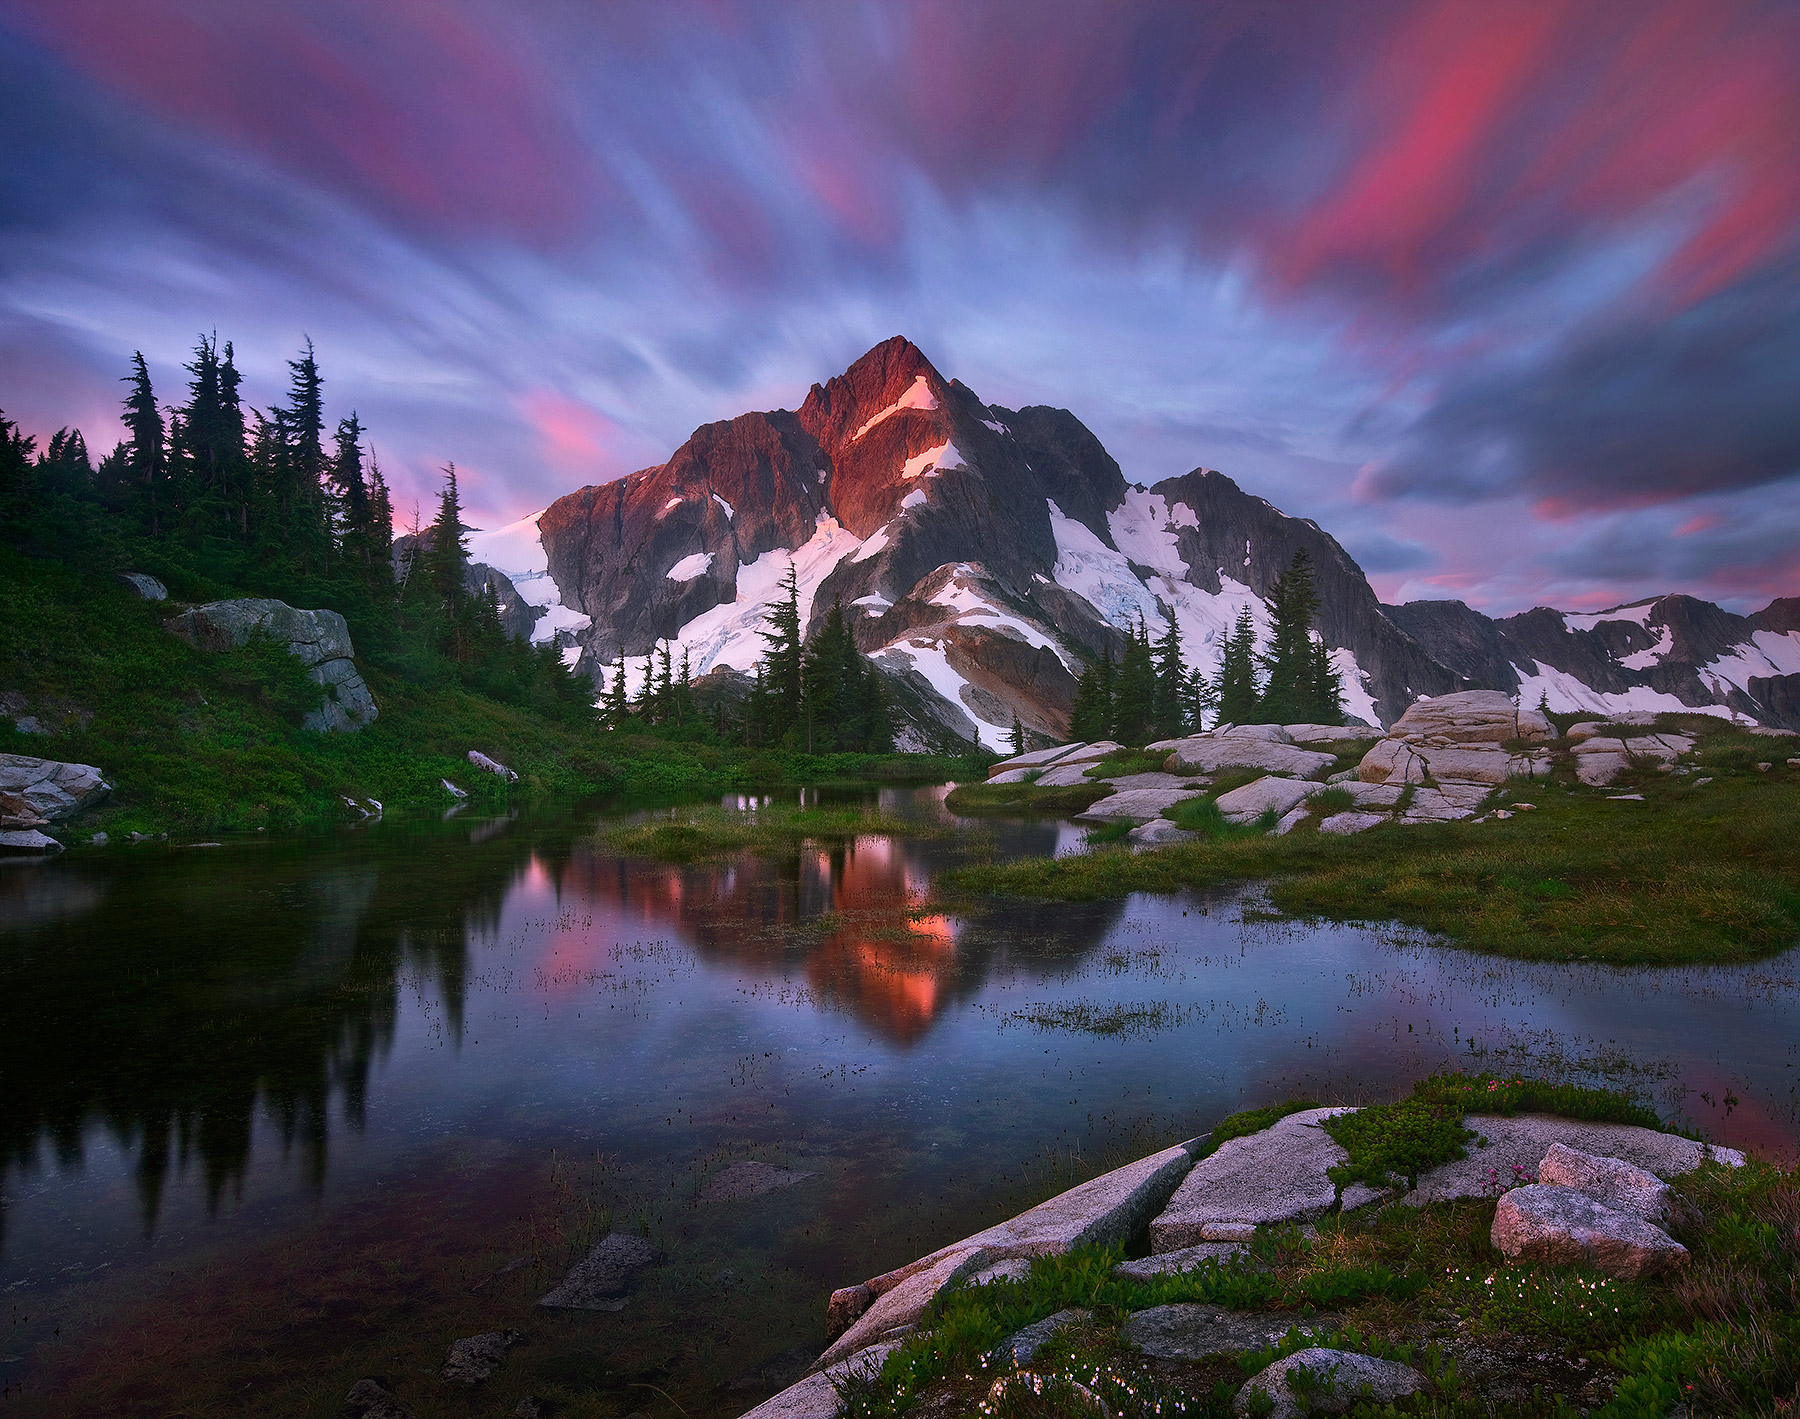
1504,294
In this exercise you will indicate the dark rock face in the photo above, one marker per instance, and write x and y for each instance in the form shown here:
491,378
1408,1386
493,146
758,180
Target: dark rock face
1682,650
1778,699
928,515
518,617
1460,638
1248,539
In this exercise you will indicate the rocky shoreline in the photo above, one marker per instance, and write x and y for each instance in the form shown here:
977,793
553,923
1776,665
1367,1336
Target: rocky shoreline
1568,1190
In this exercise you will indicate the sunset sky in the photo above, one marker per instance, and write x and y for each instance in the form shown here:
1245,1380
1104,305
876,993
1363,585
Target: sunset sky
1504,294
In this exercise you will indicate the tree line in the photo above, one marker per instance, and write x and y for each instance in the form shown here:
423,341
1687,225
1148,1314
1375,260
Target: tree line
221,499
818,695
1151,693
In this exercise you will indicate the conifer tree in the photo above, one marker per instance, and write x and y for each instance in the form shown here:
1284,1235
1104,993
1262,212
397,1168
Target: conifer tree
1234,685
1017,736
1325,687
1090,718
1134,691
448,558
146,458
1287,693
782,661
617,702
305,509
17,483
1169,714
351,494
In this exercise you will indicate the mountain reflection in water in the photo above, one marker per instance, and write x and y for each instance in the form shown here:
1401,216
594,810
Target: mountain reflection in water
168,994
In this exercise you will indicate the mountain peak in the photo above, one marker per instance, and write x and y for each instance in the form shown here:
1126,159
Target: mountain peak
893,374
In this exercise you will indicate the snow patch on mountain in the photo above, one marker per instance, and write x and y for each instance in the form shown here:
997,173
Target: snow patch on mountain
730,634
959,594
1564,694
1140,527
1767,653
690,566
1101,576
916,498
945,458
1650,658
918,396
517,550
1638,615
928,658
722,503
1358,702
669,507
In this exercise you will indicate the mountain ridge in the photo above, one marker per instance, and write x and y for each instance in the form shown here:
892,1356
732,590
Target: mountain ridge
984,555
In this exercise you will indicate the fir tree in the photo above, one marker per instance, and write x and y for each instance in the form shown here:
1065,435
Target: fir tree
351,493
1287,694
1018,735
1090,718
616,702
1234,686
448,557
146,459
305,510
782,662
1325,687
1134,693
1169,713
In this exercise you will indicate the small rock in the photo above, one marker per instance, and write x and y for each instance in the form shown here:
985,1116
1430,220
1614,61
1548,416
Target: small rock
1277,1175
749,1178
1625,797
598,1281
531,1407
1339,1379
1014,1268
1190,1330
471,1361
1347,823
492,766
1617,1184
1699,781
1558,1224
27,842
845,1307
1023,1346
1764,768
375,1401
147,587
99,840
1266,795
1174,1262
1524,807
1158,832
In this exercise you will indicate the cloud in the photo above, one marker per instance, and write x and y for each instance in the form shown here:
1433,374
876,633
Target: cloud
1639,412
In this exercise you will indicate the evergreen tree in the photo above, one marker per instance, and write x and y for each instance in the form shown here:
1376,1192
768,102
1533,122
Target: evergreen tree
447,558
63,468
305,509
1197,700
1018,735
351,493
381,525
1090,718
1287,694
1325,687
1134,692
616,708
146,456
1169,712
782,661
17,483
1234,685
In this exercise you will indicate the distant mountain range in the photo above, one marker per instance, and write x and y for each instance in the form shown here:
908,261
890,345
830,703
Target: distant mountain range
985,554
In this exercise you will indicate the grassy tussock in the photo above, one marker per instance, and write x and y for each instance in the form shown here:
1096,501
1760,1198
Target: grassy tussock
1693,873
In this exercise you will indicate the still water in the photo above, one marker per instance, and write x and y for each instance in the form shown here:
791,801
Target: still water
277,1115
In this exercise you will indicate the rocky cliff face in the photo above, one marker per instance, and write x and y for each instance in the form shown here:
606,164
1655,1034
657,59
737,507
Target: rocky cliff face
1668,653
984,555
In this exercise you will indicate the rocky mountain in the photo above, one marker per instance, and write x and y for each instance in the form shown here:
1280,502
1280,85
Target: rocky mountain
985,555
1667,653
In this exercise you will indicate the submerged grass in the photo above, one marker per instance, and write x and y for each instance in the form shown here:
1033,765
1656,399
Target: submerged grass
1023,798
1694,872
689,834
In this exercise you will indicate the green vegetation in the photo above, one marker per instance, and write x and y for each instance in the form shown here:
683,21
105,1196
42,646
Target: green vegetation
1422,1285
1247,1121
1694,872
1127,761
689,834
1024,798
